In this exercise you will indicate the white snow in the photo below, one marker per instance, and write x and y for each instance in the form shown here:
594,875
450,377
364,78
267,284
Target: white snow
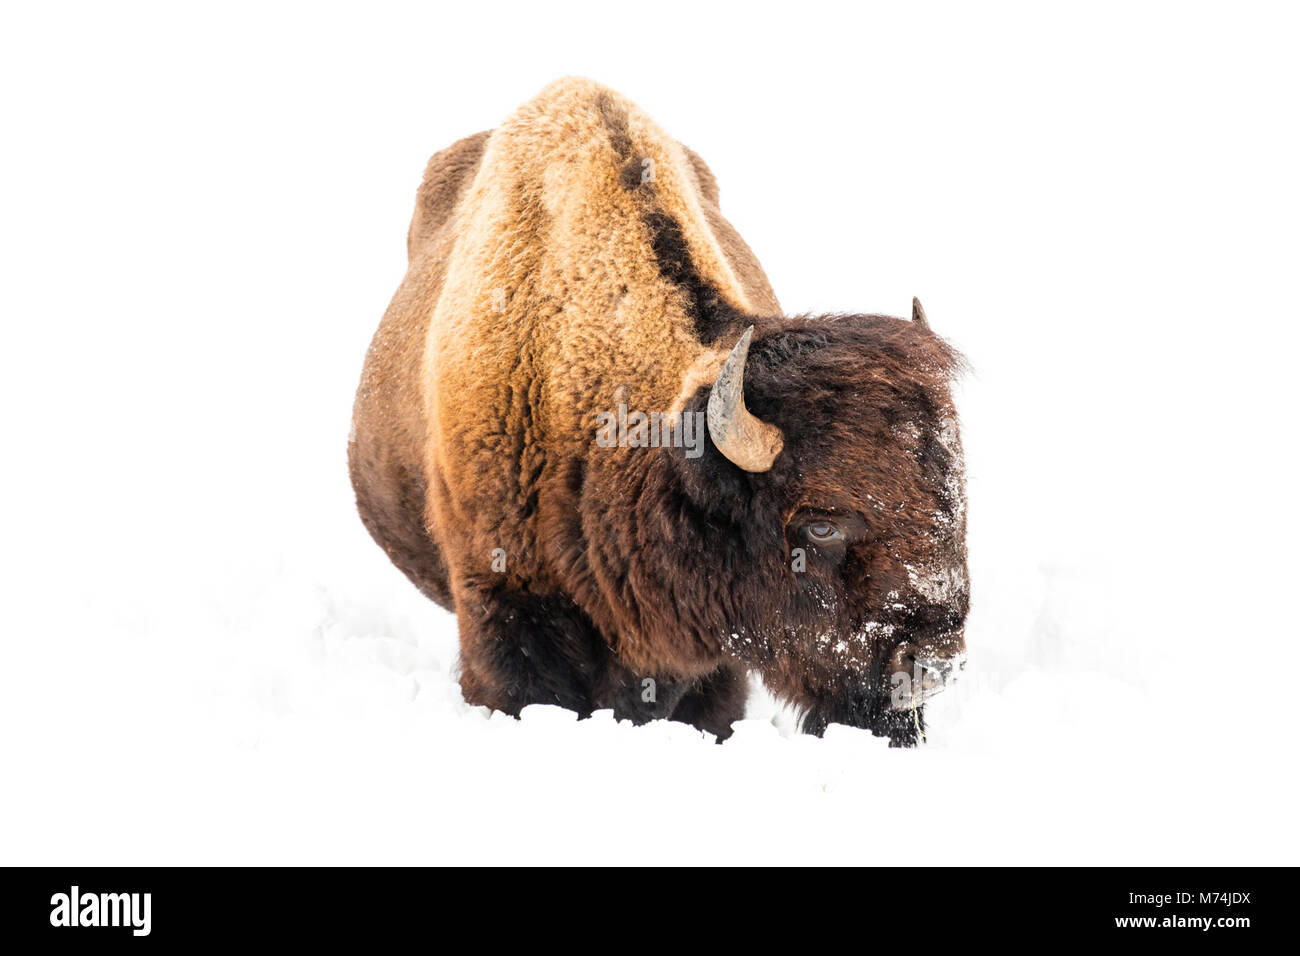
206,660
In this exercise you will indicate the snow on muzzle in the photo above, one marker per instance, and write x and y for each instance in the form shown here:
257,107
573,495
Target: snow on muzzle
918,672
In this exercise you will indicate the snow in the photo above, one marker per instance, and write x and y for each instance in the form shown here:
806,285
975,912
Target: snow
206,660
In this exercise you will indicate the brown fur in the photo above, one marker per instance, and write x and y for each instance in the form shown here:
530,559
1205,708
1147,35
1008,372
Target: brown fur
552,267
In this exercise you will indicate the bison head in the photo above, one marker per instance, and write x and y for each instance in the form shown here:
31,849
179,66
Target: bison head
826,520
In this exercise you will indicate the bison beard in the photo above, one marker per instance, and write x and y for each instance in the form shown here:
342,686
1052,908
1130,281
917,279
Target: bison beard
575,260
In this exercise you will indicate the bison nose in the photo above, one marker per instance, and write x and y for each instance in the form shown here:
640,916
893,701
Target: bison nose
931,669
917,672
931,648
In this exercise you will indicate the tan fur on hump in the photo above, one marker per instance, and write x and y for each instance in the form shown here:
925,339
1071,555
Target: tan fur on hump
553,296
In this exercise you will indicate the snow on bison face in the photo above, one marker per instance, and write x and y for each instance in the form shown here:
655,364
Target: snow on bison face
838,571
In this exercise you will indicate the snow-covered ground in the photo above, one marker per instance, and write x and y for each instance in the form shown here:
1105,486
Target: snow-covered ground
206,660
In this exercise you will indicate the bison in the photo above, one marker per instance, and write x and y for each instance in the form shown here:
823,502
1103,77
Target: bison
586,427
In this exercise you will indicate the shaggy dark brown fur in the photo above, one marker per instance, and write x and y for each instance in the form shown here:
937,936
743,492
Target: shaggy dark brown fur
551,277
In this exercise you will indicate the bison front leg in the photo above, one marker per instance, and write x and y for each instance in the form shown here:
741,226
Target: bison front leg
868,710
519,649
710,703
715,702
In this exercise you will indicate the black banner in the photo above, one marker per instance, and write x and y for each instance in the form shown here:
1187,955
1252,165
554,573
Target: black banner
138,907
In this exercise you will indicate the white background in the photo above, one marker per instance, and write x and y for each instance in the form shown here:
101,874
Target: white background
203,214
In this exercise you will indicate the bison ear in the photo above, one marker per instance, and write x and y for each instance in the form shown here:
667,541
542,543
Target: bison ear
746,440
918,314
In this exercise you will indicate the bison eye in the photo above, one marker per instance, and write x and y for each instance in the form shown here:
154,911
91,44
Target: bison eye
823,532
826,534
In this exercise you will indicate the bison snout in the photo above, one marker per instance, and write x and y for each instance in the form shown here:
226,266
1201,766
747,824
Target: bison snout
918,672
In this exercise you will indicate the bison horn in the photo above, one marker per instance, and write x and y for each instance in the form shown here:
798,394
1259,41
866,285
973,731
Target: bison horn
918,314
746,441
